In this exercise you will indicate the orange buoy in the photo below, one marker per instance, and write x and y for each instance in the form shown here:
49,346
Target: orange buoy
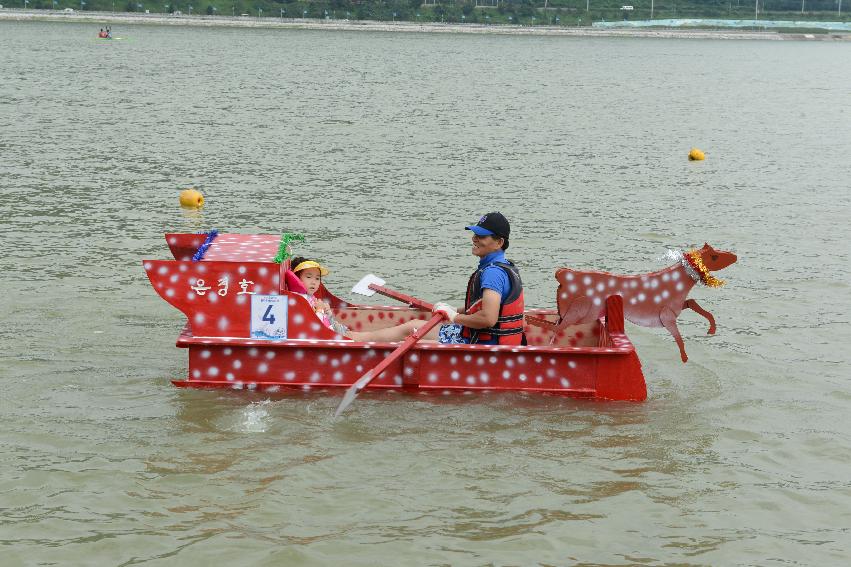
191,198
696,155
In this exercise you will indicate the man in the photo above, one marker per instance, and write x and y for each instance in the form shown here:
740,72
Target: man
493,308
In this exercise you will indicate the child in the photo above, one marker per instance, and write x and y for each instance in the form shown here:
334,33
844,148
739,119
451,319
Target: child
309,275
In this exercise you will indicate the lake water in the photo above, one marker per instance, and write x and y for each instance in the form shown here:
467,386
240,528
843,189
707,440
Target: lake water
379,148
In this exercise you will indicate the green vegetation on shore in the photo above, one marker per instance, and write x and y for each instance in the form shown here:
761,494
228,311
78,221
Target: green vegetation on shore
524,12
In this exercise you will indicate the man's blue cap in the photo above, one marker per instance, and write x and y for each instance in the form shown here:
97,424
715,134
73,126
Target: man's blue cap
491,224
479,230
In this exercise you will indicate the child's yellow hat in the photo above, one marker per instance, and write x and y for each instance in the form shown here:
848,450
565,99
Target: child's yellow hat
323,271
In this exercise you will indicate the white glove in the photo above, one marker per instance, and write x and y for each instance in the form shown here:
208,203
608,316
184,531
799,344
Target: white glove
447,310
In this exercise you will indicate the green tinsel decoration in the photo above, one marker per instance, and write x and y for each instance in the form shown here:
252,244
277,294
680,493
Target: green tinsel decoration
283,250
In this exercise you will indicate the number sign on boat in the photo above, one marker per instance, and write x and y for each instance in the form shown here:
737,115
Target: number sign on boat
269,317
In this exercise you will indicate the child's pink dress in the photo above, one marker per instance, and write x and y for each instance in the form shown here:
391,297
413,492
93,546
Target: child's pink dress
323,316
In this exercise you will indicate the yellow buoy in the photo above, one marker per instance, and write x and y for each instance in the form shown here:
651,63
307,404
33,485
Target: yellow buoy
696,155
191,198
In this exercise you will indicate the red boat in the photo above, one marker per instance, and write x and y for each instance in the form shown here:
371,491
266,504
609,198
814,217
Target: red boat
245,330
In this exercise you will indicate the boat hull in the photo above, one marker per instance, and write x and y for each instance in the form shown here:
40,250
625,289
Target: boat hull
605,372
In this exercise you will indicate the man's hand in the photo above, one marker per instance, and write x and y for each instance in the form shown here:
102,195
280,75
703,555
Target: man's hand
448,311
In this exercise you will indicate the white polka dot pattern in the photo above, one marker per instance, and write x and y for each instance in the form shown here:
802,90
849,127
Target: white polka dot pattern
645,296
243,248
571,371
183,246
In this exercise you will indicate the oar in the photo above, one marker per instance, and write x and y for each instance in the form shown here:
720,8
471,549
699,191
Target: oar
371,284
364,380
539,322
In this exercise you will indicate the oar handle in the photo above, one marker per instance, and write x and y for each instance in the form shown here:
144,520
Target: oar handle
410,300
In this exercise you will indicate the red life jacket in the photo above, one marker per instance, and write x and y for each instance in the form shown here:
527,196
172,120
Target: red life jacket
509,326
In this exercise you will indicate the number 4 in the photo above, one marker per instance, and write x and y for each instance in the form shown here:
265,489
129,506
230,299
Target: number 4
269,316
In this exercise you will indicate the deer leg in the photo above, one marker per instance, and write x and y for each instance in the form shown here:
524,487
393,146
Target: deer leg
693,305
669,321
576,312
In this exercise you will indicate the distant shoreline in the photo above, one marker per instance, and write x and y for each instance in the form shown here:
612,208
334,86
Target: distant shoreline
406,27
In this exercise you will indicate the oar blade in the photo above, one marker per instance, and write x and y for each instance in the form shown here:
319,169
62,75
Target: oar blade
362,287
347,400
354,390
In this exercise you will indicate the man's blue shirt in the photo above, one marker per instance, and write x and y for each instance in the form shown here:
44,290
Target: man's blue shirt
494,277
